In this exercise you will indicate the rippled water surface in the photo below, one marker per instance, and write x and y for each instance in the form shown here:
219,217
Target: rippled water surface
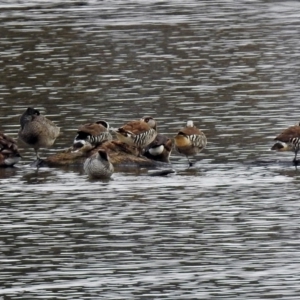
226,228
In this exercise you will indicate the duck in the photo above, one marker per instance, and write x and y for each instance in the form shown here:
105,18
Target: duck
139,133
288,140
93,133
36,130
150,121
9,153
190,140
98,165
160,149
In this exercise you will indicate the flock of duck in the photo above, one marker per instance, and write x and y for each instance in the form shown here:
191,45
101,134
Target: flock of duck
100,149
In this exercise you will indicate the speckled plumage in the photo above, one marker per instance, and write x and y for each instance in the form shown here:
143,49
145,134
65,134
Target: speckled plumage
36,130
93,133
288,140
137,133
190,140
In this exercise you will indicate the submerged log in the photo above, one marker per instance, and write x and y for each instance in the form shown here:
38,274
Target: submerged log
120,154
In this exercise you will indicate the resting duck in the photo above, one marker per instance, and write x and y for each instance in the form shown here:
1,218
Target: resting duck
93,133
9,153
160,149
138,133
288,140
150,121
190,140
98,165
120,154
37,131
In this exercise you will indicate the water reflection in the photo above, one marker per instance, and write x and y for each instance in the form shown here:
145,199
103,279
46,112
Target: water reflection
225,228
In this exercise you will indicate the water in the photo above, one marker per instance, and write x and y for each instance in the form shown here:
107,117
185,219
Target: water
227,228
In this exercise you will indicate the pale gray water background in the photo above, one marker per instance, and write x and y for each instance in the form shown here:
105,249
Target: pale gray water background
229,227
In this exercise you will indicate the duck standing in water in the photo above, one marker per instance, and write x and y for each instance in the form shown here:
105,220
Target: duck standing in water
190,140
98,165
37,131
9,153
288,140
139,133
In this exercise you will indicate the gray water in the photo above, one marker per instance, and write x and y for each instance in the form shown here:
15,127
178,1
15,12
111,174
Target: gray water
227,228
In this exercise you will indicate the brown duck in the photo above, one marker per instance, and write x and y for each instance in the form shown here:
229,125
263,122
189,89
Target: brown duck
36,130
93,133
288,140
190,140
139,133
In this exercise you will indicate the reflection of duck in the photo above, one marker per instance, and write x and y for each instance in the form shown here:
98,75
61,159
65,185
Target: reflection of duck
288,140
93,133
9,153
138,133
190,140
98,165
36,130
160,149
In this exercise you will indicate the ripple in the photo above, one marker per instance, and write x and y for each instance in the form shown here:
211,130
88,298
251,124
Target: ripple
225,228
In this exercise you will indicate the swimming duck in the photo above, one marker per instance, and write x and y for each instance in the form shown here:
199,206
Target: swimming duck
288,140
98,165
36,130
9,153
160,149
190,140
139,133
93,133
